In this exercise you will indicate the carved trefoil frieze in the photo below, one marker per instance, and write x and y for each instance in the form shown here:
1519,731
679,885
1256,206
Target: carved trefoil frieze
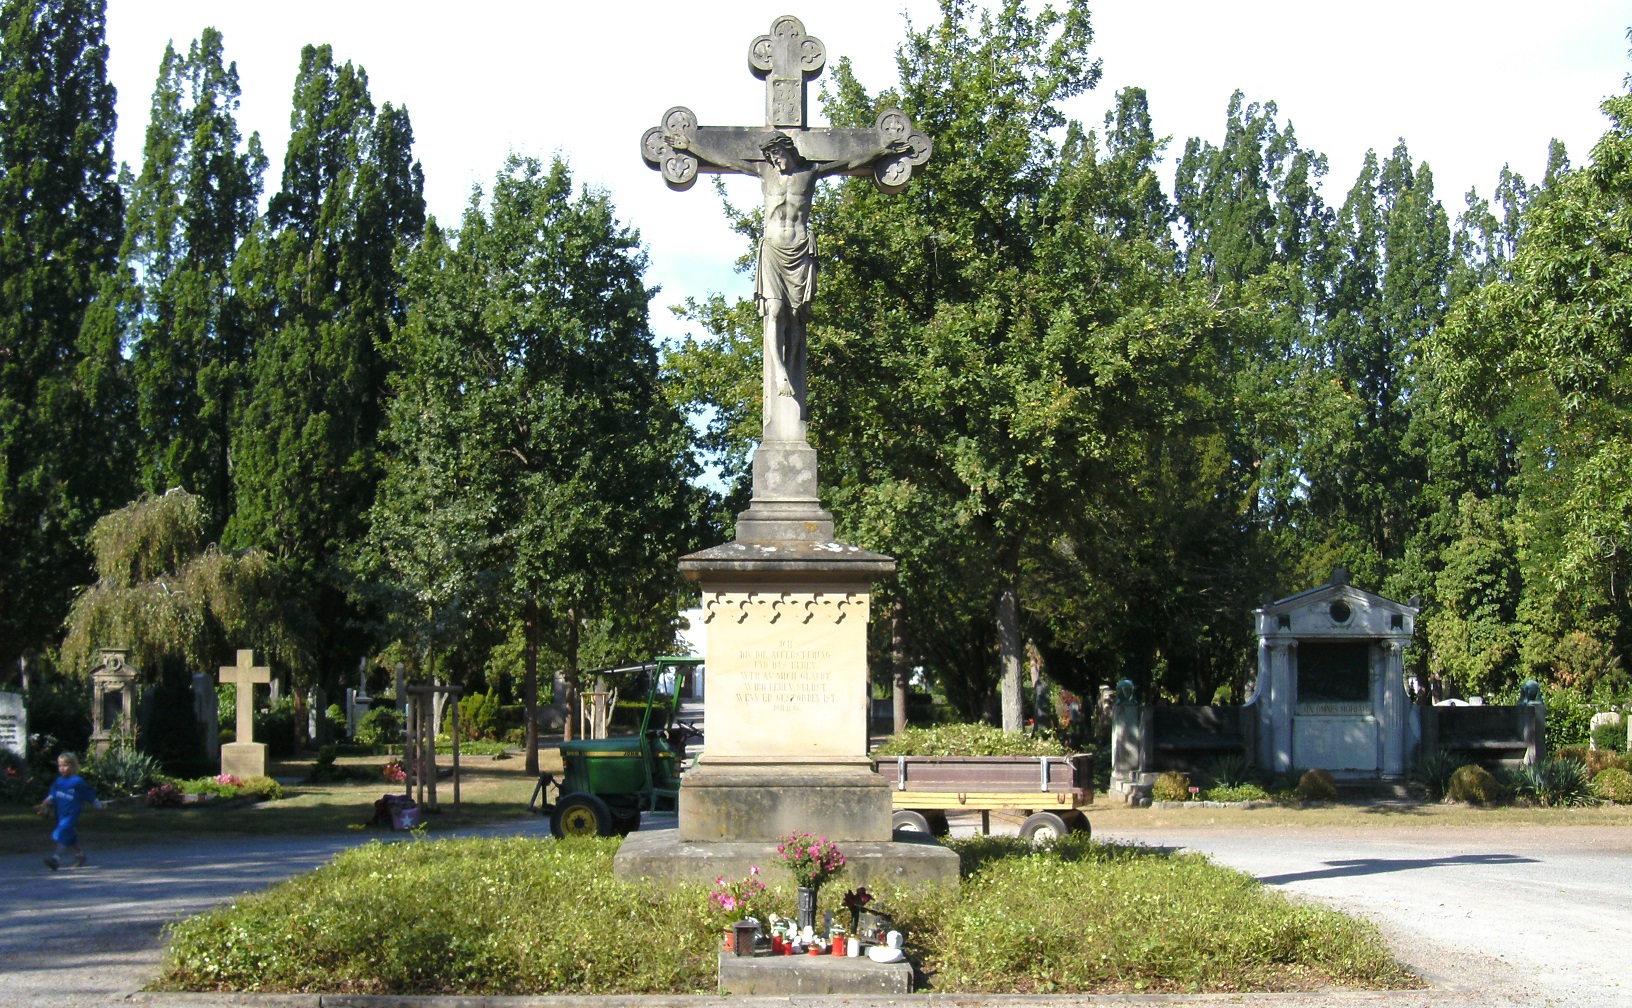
784,607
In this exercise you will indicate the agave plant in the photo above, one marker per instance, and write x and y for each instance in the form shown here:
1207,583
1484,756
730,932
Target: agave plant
1434,771
1555,783
1232,770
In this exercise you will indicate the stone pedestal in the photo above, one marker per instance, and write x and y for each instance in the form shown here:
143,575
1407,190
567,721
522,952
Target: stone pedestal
244,759
787,704
788,695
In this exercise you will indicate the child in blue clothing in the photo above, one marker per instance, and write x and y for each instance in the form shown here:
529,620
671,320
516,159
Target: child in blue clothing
69,793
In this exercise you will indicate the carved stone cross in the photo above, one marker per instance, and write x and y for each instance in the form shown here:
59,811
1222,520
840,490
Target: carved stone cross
788,157
245,675
785,59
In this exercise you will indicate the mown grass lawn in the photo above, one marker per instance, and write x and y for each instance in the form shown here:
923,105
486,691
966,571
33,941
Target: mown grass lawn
490,791
521,916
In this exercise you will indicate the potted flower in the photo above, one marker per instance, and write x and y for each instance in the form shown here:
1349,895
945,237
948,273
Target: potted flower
812,860
736,901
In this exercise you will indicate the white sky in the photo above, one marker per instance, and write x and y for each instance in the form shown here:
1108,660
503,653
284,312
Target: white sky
1469,85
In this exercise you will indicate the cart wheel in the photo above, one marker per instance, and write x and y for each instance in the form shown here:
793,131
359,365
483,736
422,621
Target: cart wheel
1078,823
581,815
938,826
910,821
1044,826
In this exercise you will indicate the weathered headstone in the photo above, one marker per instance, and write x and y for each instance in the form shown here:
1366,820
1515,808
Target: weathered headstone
786,607
245,757
14,724
208,712
113,699
1598,721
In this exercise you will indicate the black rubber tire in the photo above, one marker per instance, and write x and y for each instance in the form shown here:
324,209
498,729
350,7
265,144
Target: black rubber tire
625,823
938,826
1044,826
578,815
1079,823
910,821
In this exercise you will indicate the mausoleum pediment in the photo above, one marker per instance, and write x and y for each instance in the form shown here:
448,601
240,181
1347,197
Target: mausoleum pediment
1336,609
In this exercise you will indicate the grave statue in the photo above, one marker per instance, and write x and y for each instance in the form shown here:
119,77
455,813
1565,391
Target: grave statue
786,605
789,157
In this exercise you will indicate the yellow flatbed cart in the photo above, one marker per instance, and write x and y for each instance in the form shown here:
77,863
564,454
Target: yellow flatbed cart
1050,791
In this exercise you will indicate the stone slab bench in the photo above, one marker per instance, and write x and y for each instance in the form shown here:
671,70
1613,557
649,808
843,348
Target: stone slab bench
808,974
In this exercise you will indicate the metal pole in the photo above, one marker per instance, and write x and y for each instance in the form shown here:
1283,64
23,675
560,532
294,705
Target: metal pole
455,698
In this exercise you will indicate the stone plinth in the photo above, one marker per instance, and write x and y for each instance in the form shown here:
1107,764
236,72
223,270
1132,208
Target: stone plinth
787,704
244,759
788,695
808,974
660,856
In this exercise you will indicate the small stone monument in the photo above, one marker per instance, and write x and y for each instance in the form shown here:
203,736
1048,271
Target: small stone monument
14,725
786,606
113,699
244,757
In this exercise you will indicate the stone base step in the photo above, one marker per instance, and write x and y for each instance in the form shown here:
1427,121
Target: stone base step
808,974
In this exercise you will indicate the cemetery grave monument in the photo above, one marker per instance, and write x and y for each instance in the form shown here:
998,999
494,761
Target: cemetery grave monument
244,757
113,699
14,725
786,606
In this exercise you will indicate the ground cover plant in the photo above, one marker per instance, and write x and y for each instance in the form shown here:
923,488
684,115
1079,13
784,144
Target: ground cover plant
967,740
519,916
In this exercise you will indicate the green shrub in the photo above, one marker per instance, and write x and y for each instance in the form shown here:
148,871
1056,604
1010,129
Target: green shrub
1610,737
1137,919
966,740
1238,793
1556,783
1474,785
276,728
479,716
1317,785
1433,771
262,787
380,726
1171,786
1596,760
1613,785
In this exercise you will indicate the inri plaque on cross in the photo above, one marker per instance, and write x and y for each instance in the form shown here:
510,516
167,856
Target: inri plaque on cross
789,157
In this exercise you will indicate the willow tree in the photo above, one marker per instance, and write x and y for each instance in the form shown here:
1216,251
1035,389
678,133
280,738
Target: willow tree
167,595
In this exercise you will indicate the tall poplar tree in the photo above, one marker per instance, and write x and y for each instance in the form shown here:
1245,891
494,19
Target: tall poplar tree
317,286
190,208
62,393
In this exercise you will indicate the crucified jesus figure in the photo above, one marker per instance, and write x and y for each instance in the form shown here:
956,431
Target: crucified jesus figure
785,283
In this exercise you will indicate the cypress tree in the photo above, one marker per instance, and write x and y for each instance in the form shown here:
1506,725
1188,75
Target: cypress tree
317,287
192,205
61,388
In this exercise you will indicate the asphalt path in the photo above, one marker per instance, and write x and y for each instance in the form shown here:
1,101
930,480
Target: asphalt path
1530,915
1515,916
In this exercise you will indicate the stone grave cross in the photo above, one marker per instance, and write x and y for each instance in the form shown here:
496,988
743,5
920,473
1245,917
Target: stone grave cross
245,675
789,157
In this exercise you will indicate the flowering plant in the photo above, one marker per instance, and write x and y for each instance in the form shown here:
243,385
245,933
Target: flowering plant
394,772
735,900
812,859
164,796
228,780
857,898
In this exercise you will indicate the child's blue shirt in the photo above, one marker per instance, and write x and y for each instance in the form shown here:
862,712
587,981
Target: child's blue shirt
69,795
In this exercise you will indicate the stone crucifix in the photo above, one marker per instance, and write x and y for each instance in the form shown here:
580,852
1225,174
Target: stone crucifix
245,675
788,156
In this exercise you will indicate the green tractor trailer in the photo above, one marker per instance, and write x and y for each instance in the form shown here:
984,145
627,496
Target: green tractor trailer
607,783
